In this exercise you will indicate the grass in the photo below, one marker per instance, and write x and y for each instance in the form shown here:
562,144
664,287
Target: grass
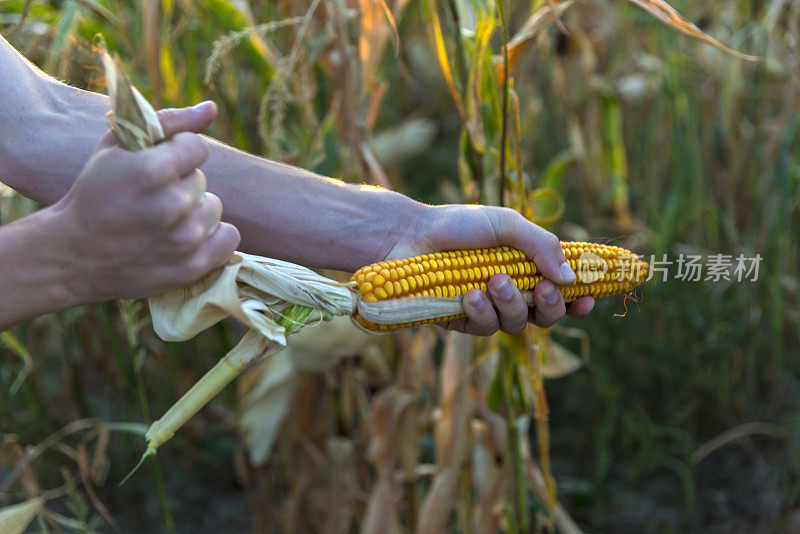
647,135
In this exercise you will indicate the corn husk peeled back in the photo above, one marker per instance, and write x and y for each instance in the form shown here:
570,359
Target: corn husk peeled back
275,298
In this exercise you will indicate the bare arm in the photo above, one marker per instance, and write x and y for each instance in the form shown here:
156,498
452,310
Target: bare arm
48,130
41,277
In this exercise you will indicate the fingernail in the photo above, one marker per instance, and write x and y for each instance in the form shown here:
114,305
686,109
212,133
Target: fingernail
212,230
551,295
567,273
203,106
504,290
476,301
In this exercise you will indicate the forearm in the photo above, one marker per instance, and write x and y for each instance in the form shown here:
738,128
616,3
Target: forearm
37,274
292,214
48,131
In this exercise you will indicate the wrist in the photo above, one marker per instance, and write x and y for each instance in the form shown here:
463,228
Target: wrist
39,274
411,222
71,277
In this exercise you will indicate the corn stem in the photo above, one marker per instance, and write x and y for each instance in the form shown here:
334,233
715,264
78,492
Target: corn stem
251,348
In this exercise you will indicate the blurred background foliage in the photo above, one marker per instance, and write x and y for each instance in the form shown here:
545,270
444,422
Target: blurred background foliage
619,129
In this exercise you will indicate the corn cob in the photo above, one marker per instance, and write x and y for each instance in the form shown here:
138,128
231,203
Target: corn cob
602,271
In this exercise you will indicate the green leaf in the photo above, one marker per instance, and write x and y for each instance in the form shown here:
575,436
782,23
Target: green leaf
494,397
17,348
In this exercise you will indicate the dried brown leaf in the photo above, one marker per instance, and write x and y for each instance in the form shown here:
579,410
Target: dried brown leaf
489,477
151,20
537,23
536,480
444,60
268,393
82,457
451,434
417,368
474,119
381,514
99,465
558,360
388,410
377,25
343,491
15,519
667,14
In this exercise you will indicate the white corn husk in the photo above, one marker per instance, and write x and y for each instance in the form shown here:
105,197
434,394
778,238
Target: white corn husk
411,309
5,191
251,289
15,519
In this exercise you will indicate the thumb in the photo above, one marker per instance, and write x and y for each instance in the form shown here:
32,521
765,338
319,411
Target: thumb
107,141
194,119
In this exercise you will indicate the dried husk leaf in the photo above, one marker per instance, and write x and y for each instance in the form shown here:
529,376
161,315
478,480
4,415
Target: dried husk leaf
388,409
133,120
490,478
319,348
267,390
15,519
181,314
264,409
451,435
537,23
559,361
297,285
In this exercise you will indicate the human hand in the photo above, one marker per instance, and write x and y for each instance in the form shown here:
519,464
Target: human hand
454,227
139,224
